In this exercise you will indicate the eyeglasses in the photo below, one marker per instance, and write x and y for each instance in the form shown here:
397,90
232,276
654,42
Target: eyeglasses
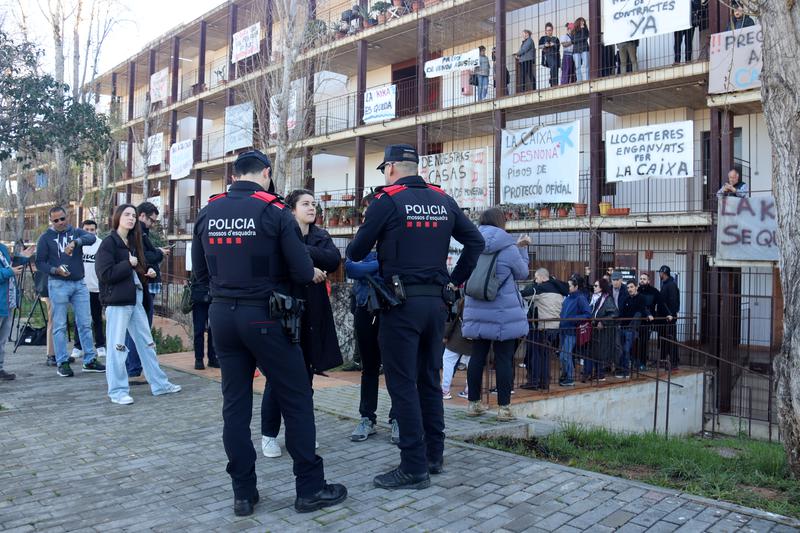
152,220
57,220
383,168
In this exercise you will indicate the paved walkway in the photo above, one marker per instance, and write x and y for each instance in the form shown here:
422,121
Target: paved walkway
72,461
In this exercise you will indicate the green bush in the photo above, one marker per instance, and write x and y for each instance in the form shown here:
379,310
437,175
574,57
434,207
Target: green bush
167,343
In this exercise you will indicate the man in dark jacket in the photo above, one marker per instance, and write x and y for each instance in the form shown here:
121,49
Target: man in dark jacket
549,294
551,55
59,254
651,298
148,215
668,307
632,310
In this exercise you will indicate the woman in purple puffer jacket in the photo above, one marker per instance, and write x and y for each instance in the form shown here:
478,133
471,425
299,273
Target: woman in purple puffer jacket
498,323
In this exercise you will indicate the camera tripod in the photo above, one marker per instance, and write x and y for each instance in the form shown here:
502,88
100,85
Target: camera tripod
37,304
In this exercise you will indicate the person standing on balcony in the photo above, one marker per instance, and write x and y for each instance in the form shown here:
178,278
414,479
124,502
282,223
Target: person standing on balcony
734,187
627,56
687,36
551,57
482,71
567,63
55,255
739,20
148,216
580,49
668,308
318,339
526,56
90,276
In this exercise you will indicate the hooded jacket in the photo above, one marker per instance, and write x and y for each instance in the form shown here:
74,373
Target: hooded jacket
504,317
50,252
548,297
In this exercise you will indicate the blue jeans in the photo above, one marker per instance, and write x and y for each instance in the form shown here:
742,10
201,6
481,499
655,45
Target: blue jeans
483,87
628,337
581,60
568,342
130,319
63,293
132,364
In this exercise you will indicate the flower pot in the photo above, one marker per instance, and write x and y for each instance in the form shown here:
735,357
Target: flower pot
348,197
382,18
604,208
544,212
318,220
563,212
397,3
333,222
580,210
414,6
325,198
625,211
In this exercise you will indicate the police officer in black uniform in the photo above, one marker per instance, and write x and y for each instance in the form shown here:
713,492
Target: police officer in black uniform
248,246
412,222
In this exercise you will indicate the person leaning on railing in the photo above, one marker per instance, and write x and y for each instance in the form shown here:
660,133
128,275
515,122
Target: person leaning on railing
734,187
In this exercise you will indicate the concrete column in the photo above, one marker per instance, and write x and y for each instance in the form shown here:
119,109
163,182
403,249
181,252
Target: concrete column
233,13
423,38
361,79
361,154
176,51
201,59
131,87
595,40
500,47
499,120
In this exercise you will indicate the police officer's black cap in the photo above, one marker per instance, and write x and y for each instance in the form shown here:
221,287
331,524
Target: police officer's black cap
399,152
255,154
665,269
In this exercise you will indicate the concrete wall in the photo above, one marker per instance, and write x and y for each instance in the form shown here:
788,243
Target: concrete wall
627,408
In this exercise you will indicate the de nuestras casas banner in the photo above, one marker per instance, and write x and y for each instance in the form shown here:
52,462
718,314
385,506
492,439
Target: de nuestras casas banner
746,229
657,151
541,164
463,175
626,20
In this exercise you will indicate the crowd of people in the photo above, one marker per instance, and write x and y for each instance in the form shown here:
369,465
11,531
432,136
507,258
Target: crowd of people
568,51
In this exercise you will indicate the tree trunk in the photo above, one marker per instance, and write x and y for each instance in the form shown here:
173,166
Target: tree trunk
76,53
780,93
60,185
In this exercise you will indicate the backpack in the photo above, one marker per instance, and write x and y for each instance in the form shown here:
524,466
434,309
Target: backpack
483,283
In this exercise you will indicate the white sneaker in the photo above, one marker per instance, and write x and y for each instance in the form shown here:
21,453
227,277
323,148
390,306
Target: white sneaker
270,447
123,400
101,352
170,389
77,354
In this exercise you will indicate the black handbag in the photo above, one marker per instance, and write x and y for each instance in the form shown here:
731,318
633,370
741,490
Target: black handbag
33,336
473,79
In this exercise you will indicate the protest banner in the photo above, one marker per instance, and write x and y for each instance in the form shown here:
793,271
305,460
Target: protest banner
159,91
238,126
379,103
540,164
656,151
155,149
246,42
746,229
463,175
445,65
181,159
627,20
735,60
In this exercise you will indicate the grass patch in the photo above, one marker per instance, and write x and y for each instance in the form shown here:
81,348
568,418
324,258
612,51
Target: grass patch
737,470
167,343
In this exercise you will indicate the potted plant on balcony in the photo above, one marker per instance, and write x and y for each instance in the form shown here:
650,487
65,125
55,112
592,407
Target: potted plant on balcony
580,209
325,197
362,14
318,219
604,208
563,209
316,30
544,210
332,217
348,197
378,11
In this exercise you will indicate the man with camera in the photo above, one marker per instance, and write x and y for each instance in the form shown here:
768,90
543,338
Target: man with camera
247,247
412,222
58,253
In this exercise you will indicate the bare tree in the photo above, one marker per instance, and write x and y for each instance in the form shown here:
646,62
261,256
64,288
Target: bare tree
153,124
780,94
283,98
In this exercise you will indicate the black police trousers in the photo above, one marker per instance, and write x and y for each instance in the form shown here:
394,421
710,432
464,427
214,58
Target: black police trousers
246,336
366,327
410,338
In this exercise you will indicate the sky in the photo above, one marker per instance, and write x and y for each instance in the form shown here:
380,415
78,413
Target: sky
143,21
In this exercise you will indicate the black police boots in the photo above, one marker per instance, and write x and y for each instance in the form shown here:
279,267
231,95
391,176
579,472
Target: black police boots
245,507
330,494
436,467
397,479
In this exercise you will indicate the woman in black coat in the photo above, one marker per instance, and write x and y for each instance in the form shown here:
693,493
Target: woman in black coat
603,331
318,334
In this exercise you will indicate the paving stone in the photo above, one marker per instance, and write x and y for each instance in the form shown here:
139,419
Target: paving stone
617,519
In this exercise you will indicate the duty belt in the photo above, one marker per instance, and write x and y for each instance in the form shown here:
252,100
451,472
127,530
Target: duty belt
423,290
241,302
